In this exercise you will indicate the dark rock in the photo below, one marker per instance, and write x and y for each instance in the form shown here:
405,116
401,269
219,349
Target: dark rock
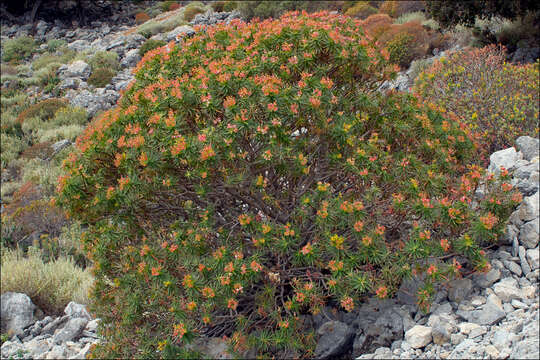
336,338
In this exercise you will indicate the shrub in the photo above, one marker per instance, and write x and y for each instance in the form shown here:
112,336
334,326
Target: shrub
69,115
69,132
230,5
398,8
169,5
191,10
361,10
499,100
101,77
51,285
18,49
29,213
253,173
44,110
11,147
405,42
150,44
376,24
141,18
104,59
40,150
274,9
217,6
55,44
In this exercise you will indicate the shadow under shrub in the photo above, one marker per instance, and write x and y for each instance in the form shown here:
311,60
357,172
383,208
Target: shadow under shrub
500,101
253,174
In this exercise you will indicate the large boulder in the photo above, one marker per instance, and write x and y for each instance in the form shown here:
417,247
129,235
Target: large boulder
77,69
528,146
506,158
335,339
17,312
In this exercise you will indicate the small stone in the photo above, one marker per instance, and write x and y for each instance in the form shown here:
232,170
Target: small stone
528,235
506,289
70,331
523,260
440,335
75,310
459,289
533,258
418,336
478,300
501,339
528,146
513,267
467,327
528,210
518,304
479,331
492,352
485,280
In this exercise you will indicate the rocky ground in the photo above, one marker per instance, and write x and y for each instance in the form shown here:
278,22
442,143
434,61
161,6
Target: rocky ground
492,315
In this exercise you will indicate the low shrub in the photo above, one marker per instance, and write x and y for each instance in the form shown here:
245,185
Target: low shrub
67,132
361,10
38,151
11,148
44,110
51,285
499,100
169,5
230,5
54,45
405,42
376,24
218,6
18,49
30,215
101,77
252,174
43,174
69,115
191,10
141,18
150,44
46,60
104,59
398,8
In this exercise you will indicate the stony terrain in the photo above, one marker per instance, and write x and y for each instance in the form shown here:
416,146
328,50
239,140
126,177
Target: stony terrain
492,315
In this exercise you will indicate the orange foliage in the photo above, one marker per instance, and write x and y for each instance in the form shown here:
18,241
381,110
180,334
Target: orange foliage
374,25
141,17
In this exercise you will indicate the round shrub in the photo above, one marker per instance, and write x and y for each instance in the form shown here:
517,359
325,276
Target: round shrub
376,24
101,77
18,49
192,10
361,10
169,5
252,174
405,42
141,18
150,44
499,100
217,6
104,59
44,110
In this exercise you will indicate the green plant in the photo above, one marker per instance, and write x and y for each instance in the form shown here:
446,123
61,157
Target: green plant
4,338
405,42
54,45
101,77
230,5
218,6
104,59
398,8
191,10
150,44
11,148
499,100
69,115
51,285
253,173
169,5
361,10
44,110
18,49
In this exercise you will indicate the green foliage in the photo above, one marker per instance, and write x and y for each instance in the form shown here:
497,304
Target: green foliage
18,49
50,285
11,147
405,42
274,9
230,5
361,10
449,13
217,6
54,45
101,77
104,60
44,110
254,173
191,10
166,5
499,100
150,44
